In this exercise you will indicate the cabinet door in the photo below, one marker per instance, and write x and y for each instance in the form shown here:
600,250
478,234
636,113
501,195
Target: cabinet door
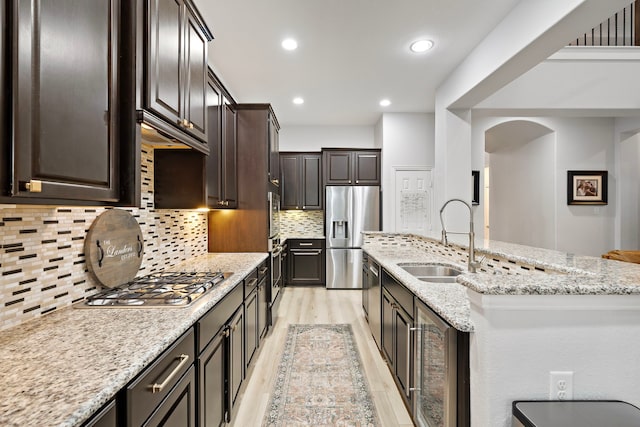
178,409
290,181
402,350
311,193
64,95
251,326
214,159
365,286
105,417
212,380
306,267
164,74
387,327
195,72
338,167
236,354
263,306
366,167
229,156
274,151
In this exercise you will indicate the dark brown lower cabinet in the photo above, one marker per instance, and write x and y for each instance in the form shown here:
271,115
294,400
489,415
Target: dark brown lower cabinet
251,330
306,262
211,384
263,306
397,345
236,355
164,394
105,417
221,361
179,408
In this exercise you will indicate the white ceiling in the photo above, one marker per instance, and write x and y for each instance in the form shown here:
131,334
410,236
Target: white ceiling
351,53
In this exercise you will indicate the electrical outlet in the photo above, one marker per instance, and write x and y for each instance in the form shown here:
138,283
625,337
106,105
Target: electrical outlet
561,385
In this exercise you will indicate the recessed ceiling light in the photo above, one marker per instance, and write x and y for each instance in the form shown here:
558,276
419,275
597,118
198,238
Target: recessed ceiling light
420,46
289,44
298,101
385,103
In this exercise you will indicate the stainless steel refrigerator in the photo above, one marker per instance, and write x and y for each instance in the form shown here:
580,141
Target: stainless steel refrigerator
349,210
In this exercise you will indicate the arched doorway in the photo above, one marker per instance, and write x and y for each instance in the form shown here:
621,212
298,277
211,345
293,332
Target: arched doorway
521,202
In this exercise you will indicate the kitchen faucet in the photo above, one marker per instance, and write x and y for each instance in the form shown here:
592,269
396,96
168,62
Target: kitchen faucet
473,264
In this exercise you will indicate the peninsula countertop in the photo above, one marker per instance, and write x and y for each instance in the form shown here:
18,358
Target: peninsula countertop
59,369
528,271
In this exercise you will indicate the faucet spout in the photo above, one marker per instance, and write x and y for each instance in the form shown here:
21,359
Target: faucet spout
472,264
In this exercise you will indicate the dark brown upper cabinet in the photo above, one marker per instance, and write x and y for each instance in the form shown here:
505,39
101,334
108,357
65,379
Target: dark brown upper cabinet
301,181
190,179
222,179
274,149
175,70
247,229
68,82
351,167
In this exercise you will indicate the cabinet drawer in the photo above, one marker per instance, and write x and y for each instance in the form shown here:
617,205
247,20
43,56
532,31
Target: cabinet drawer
263,269
306,243
209,325
402,295
154,384
250,283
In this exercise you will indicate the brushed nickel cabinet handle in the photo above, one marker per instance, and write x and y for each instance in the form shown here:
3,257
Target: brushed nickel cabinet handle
157,388
310,253
33,186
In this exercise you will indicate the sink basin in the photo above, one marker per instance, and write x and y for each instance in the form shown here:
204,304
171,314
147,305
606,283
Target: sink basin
431,272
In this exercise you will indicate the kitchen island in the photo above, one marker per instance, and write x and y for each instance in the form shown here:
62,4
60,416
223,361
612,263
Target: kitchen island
529,312
61,368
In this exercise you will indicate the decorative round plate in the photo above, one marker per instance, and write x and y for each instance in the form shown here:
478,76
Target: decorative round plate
113,247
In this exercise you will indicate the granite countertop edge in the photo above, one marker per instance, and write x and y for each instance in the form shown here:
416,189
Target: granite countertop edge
567,274
76,346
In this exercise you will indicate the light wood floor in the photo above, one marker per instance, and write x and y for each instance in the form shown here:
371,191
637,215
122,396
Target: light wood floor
319,305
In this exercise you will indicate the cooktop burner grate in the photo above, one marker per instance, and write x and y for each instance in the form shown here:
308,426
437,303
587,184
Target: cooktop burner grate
167,289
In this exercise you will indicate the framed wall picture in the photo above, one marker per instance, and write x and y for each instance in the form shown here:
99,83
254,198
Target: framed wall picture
475,182
586,187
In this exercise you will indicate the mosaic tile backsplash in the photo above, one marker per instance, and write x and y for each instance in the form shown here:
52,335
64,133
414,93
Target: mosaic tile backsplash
42,260
297,222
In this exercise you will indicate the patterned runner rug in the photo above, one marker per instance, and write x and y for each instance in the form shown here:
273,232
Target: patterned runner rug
320,381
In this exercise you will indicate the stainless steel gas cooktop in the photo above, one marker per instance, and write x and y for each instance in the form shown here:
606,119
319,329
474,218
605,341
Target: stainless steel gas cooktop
168,289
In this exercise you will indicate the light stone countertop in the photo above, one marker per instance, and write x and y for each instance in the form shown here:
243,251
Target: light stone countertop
59,369
449,300
566,274
301,236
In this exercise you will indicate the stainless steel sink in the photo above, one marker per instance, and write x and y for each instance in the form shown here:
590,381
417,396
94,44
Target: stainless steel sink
432,272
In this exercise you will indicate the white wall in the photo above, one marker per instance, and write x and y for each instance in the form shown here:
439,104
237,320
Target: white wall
314,138
581,144
627,131
518,340
523,187
585,144
407,140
